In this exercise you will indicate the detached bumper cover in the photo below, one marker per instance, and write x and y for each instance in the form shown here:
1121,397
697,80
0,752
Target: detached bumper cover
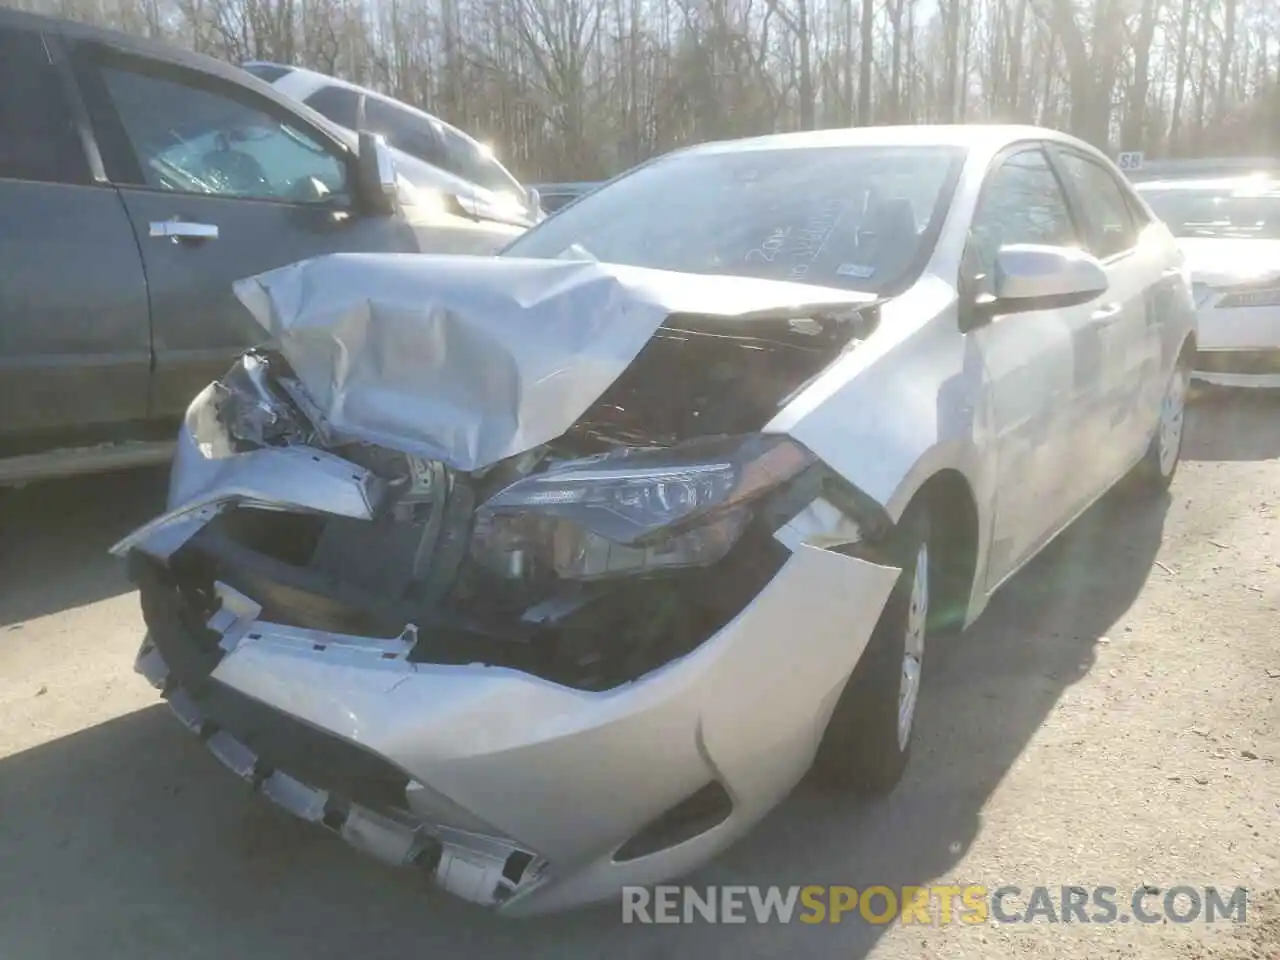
467,770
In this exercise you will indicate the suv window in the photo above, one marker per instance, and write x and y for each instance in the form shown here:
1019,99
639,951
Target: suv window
1111,226
1022,202
337,104
188,139
415,135
469,161
38,136
406,131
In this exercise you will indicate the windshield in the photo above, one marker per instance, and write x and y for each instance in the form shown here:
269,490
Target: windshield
1235,210
852,217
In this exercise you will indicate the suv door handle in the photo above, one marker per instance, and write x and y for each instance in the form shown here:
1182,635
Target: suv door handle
178,230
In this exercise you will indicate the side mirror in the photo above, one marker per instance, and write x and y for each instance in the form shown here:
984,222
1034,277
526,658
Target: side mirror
376,175
1031,276
534,199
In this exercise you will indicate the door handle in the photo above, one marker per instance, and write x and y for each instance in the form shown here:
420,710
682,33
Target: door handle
1109,313
178,230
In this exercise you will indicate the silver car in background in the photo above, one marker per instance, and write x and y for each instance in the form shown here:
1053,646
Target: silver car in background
555,571
431,154
1229,228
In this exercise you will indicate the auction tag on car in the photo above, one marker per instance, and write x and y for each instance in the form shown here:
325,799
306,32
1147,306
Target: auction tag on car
1130,160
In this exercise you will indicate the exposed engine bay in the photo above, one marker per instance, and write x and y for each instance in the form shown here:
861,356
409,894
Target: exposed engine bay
510,564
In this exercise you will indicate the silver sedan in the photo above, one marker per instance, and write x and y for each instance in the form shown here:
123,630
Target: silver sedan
553,572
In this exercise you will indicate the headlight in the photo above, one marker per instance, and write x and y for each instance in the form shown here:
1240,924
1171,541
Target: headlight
632,511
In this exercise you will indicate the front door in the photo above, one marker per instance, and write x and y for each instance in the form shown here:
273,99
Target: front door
220,184
1042,367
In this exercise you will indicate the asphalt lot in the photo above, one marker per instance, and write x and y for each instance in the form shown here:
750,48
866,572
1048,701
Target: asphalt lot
1112,719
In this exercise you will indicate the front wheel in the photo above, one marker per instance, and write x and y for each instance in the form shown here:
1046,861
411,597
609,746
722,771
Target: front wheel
868,739
1157,468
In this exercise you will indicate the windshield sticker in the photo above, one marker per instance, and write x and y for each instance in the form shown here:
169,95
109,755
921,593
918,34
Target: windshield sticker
768,251
796,248
860,271
813,238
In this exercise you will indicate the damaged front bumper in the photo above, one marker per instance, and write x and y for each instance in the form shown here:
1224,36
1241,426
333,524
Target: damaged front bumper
491,570
510,789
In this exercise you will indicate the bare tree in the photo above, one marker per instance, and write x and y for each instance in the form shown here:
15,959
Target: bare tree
585,88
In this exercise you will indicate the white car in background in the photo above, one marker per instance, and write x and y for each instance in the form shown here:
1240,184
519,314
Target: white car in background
1229,229
428,152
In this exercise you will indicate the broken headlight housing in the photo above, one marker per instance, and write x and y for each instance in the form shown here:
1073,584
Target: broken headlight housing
253,415
634,511
241,412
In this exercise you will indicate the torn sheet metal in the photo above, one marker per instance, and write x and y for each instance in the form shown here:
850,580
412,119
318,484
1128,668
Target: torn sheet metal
300,478
472,360
820,524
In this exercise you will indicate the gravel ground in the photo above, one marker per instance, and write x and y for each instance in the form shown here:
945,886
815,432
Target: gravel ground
1112,719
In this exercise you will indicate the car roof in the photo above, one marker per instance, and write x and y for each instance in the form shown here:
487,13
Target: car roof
325,80
978,137
128,43
168,53
1205,168
576,186
1266,182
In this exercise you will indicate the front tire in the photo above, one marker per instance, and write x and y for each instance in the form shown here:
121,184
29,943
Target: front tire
868,740
1156,470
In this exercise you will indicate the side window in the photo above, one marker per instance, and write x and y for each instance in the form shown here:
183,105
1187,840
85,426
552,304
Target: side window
406,131
188,139
38,137
468,161
1022,202
1111,226
337,104
1140,216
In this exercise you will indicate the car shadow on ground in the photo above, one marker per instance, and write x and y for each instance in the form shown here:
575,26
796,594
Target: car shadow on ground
128,840
54,538
1233,425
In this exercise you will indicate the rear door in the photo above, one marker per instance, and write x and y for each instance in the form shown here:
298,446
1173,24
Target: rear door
1130,345
220,183
74,331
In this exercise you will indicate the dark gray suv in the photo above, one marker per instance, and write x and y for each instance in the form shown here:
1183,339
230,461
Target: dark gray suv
137,182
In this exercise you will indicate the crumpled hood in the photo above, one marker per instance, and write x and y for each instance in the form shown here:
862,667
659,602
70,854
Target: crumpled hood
470,360
1224,261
